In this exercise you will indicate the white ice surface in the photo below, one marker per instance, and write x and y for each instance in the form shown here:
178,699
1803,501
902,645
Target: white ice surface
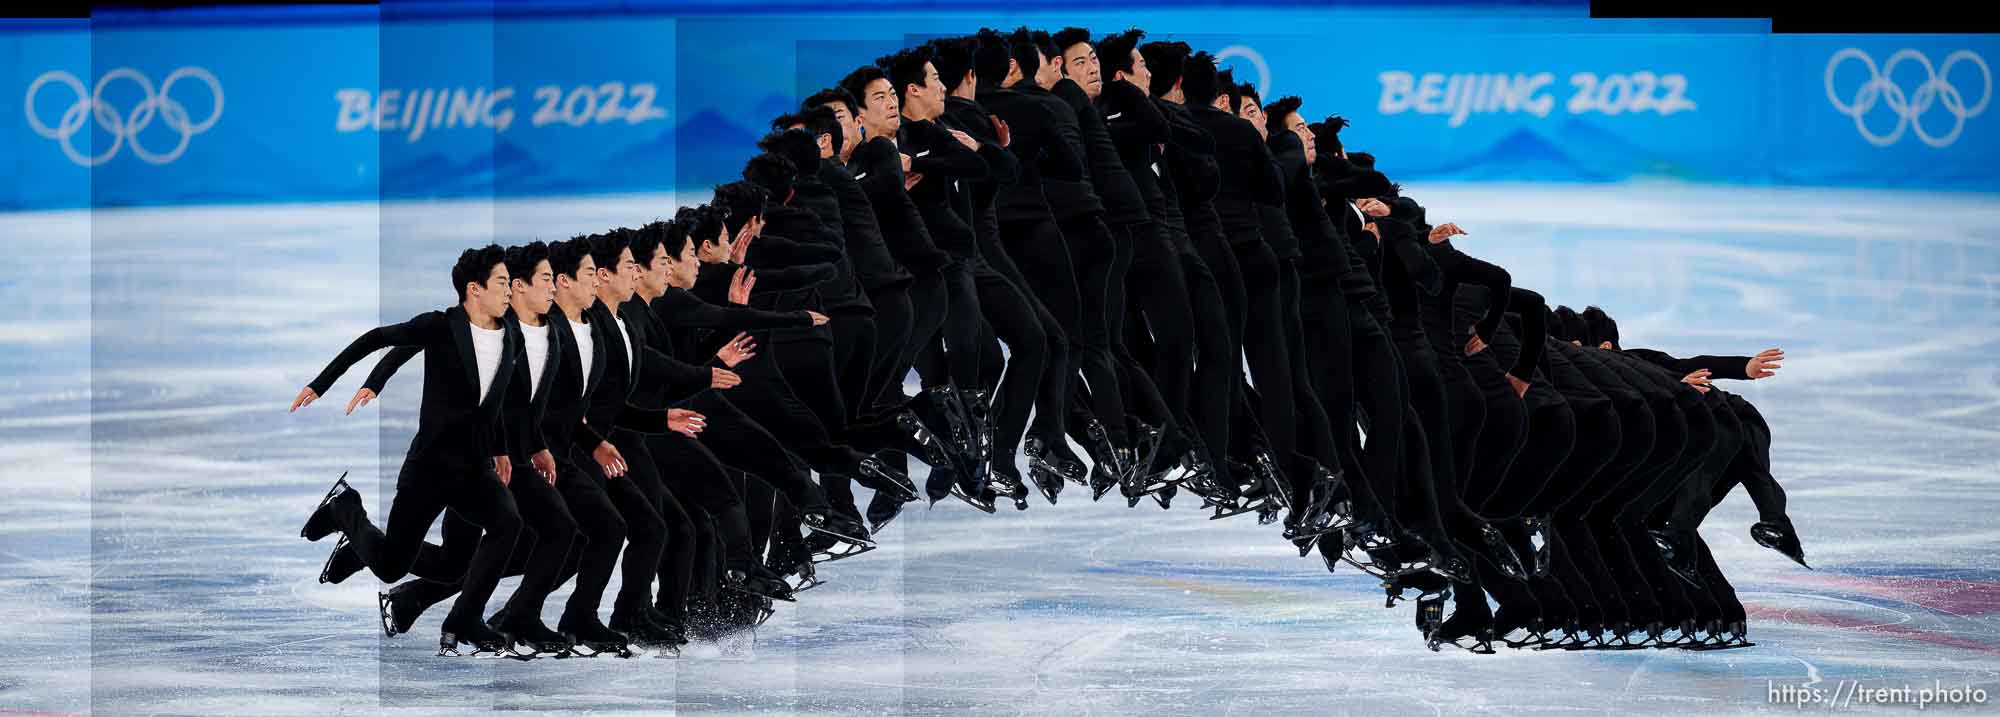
151,487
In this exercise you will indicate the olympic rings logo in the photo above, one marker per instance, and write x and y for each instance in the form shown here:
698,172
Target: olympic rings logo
124,128
1909,108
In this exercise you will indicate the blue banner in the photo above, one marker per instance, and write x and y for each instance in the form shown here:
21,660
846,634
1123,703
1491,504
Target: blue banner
357,108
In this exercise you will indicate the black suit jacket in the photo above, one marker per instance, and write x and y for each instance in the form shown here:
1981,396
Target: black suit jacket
456,429
611,402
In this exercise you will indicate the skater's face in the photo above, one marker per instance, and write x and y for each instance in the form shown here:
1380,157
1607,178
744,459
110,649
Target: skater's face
619,282
577,290
1050,72
1255,114
925,101
1297,125
1139,74
653,273
1080,65
850,128
880,113
682,270
716,250
489,297
533,294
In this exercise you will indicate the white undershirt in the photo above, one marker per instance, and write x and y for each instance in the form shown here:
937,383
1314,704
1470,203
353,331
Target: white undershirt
631,352
585,346
486,347
537,340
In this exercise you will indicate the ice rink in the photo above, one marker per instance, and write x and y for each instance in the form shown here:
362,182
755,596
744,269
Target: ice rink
154,484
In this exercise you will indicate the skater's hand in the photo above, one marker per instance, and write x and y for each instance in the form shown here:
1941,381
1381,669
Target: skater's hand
741,248
361,398
911,179
1520,386
686,422
906,163
503,468
1698,379
1372,207
1764,364
723,378
965,139
1474,345
306,397
737,351
1000,130
818,318
607,458
741,284
545,463
1445,231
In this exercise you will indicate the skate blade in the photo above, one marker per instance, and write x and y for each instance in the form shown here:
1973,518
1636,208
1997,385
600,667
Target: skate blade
326,571
828,556
983,505
747,591
382,603
842,537
339,486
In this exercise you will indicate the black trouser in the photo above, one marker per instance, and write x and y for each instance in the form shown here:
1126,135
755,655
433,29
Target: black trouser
423,492
895,318
1330,355
1265,346
1315,427
699,478
539,555
1432,504
1384,398
930,301
1220,396
1142,395
1093,257
1035,257
854,336
1551,437
1011,317
611,512
742,443
658,477
951,356
1159,315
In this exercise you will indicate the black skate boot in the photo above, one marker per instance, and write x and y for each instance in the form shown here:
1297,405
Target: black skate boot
1493,546
881,510
640,629
323,522
1045,468
675,627
1006,479
757,581
530,636
484,641
876,475
398,610
590,638
839,538
341,564
1779,535
1677,549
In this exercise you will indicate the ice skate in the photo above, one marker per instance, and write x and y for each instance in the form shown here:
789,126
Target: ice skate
757,581
341,564
590,638
483,641
883,478
529,635
322,521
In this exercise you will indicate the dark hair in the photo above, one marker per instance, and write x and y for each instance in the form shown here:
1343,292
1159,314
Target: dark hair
1198,78
905,68
1114,52
679,232
1022,50
785,121
774,173
1275,113
1363,160
647,240
1326,133
1225,85
1168,61
1573,326
1047,45
705,224
739,202
1602,327
566,256
604,249
831,95
952,56
1069,36
796,145
856,84
521,260
1245,90
820,120
990,57
475,266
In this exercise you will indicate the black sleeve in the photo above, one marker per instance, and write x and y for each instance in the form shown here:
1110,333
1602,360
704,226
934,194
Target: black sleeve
391,362
1534,330
1002,166
681,380
1402,243
789,278
1364,183
1132,117
690,312
945,157
1190,136
774,251
1723,367
417,331
1059,160
1267,184
1467,269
